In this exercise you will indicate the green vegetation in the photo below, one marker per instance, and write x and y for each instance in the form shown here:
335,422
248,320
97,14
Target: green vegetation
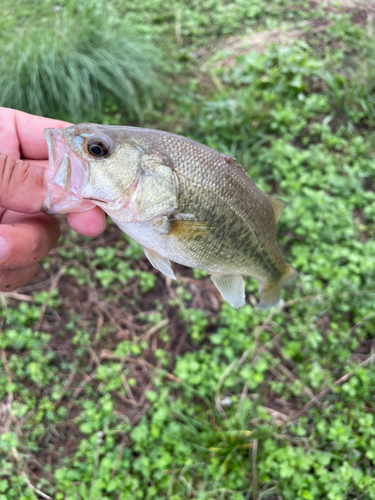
73,65
116,384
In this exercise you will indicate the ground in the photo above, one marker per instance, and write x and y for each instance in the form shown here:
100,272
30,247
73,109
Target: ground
118,383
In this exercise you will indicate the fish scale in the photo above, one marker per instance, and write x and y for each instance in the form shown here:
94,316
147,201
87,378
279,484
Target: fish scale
207,169
181,200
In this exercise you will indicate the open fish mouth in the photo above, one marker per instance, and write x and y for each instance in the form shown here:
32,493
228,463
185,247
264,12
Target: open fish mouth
65,178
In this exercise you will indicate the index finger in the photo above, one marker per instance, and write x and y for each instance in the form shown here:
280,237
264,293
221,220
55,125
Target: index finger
22,186
21,134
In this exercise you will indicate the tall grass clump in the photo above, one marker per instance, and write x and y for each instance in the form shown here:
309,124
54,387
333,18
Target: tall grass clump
78,62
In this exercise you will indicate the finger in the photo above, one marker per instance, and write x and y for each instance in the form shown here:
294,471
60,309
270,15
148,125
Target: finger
21,134
26,241
39,163
21,185
10,279
22,190
90,223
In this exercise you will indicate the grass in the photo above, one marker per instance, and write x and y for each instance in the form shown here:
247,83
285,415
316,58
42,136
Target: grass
118,384
72,65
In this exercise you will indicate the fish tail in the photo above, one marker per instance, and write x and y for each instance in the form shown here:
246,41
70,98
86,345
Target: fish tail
270,292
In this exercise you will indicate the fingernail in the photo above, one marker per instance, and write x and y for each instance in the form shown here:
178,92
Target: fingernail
3,248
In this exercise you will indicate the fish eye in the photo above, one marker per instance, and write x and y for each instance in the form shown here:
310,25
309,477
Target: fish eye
97,148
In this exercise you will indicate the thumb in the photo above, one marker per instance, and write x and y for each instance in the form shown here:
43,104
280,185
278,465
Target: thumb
21,185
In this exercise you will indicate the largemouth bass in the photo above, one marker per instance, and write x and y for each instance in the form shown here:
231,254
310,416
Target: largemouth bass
182,201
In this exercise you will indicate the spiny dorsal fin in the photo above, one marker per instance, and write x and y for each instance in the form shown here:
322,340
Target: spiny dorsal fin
277,205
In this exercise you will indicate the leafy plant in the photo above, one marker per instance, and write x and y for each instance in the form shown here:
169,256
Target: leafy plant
120,384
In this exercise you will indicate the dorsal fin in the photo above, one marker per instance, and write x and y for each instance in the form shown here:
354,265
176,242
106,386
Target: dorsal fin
277,205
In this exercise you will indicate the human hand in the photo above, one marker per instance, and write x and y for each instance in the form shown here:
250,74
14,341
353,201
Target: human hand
27,234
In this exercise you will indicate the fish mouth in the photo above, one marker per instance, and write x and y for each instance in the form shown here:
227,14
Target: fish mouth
65,177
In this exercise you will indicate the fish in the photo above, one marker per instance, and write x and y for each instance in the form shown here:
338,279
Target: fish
182,201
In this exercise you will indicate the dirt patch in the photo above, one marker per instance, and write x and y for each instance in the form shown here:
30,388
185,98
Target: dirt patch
362,12
237,46
350,4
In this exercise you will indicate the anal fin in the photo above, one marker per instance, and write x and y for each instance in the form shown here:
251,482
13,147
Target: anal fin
159,262
231,287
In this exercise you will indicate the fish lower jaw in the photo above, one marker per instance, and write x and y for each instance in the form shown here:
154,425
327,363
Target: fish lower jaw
65,205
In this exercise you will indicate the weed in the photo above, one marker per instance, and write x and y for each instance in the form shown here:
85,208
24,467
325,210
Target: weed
121,384
77,62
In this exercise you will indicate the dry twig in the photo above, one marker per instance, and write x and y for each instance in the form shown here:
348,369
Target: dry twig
65,389
54,283
254,458
78,390
19,296
10,394
31,486
106,354
128,390
338,382
154,329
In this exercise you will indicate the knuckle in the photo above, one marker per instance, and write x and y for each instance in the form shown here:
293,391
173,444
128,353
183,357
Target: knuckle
7,284
12,172
43,236
10,279
40,249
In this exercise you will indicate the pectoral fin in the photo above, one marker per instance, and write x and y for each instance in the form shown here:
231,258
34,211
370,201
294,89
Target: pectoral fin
231,287
161,224
188,229
159,262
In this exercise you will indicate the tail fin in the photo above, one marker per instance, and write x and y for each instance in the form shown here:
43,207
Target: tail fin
270,292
